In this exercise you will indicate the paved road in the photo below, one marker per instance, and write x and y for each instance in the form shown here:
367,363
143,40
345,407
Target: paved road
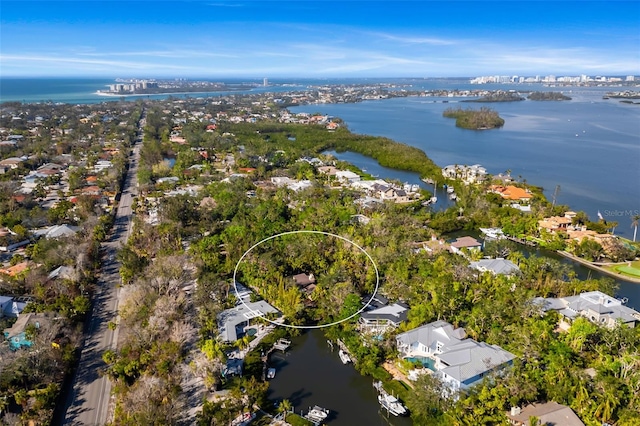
88,403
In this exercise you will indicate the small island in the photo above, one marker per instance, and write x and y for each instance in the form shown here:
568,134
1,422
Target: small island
482,119
498,96
548,96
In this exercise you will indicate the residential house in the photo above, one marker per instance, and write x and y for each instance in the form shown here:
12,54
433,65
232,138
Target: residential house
465,242
547,413
294,185
16,269
11,162
555,223
11,306
497,266
459,362
57,231
307,283
233,323
468,174
328,170
596,306
380,320
63,273
169,179
16,334
347,176
511,192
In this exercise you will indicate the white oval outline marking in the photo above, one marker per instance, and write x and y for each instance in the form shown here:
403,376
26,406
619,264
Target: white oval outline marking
375,267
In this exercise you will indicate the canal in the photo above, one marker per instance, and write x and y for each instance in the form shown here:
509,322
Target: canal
312,374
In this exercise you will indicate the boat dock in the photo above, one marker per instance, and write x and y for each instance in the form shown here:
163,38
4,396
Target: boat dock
282,344
522,241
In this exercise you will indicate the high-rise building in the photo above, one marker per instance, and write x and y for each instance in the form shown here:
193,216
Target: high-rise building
265,82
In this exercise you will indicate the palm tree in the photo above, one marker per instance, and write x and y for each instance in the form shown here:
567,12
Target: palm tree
285,407
634,224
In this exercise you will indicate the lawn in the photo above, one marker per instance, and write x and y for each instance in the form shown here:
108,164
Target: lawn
628,270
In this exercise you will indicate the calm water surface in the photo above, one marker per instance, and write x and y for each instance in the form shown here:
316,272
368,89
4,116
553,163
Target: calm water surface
311,374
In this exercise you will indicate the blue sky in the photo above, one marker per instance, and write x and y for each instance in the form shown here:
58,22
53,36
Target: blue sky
318,38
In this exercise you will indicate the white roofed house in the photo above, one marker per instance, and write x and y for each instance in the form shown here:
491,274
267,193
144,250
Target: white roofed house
596,306
497,266
458,362
232,323
380,320
347,176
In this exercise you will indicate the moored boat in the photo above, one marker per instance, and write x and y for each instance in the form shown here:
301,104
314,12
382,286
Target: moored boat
389,402
317,414
344,357
271,373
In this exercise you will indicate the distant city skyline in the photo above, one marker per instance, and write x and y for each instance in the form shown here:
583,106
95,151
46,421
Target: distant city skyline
319,39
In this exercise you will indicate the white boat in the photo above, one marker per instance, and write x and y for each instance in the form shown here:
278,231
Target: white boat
453,196
450,189
389,402
493,233
271,373
344,357
433,199
392,404
317,414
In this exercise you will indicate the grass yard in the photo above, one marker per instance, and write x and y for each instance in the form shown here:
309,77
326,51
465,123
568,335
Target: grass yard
628,270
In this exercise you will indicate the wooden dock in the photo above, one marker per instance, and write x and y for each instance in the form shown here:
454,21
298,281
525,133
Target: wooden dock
521,241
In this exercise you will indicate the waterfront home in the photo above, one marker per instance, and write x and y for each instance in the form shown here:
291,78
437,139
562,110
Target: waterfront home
467,174
234,323
511,192
459,362
379,320
497,266
465,242
596,306
547,413
555,223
